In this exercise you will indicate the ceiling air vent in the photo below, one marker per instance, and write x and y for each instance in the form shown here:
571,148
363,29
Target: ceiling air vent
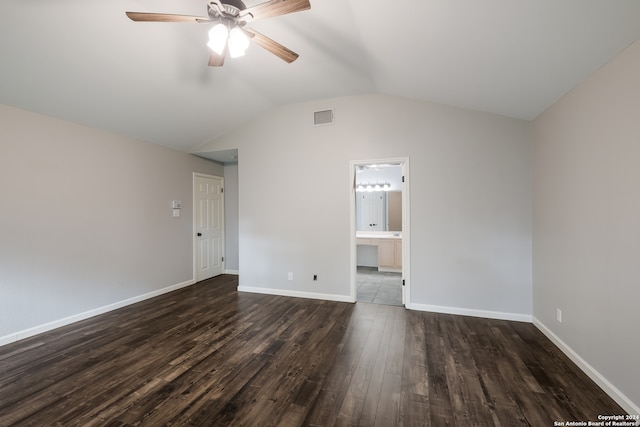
324,117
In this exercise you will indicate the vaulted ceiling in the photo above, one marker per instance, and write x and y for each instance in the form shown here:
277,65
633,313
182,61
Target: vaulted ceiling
86,62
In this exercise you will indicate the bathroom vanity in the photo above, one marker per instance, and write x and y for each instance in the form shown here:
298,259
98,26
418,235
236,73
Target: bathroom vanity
389,244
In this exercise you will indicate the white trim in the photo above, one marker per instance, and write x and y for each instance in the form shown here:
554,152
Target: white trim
406,234
406,224
234,272
296,294
517,317
90,313
596,376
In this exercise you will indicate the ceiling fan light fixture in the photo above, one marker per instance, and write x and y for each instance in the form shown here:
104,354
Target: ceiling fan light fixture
229,33
238,42
218,38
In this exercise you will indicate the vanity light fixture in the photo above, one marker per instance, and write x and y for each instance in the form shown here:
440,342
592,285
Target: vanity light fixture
373,187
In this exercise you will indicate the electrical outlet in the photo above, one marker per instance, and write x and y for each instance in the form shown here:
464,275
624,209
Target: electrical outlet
559,315
290,276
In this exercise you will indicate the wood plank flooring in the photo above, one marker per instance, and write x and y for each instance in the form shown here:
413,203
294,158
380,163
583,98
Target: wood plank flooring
207,355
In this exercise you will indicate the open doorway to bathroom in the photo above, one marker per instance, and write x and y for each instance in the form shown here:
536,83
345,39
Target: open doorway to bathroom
379,227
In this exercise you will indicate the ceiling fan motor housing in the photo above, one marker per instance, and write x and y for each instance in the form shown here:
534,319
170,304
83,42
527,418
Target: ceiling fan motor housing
238,4
230,8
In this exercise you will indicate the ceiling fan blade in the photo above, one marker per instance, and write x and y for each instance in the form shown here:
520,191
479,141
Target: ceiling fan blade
216,60
272,46
164,17
273,8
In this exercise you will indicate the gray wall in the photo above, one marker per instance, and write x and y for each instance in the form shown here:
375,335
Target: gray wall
85,219
470,200
587,225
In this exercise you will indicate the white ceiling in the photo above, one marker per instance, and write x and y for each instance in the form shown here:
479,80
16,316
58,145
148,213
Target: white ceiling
86,62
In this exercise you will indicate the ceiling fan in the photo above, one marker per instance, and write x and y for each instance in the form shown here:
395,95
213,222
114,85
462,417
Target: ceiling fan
229,32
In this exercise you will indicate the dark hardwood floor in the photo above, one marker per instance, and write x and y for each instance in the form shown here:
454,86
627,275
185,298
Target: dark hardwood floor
207,355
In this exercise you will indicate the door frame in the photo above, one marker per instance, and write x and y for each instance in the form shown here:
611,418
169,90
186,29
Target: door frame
194,223
406,225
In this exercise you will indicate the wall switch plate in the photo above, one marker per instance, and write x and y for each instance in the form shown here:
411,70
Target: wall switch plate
559,315
176,213
290,276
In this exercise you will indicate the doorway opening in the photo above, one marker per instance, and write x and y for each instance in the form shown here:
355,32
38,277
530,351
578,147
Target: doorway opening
380,231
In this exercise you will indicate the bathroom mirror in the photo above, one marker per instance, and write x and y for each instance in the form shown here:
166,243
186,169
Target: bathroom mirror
379,198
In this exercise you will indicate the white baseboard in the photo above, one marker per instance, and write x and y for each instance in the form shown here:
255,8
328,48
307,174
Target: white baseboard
234,272
87,314
296,294
471,312
596,376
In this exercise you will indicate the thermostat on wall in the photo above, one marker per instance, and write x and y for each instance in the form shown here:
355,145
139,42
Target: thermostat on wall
176,204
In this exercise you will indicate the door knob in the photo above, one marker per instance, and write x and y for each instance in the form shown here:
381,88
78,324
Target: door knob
199,234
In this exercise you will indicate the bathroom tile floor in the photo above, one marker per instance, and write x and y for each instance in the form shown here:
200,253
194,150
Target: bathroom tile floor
378,287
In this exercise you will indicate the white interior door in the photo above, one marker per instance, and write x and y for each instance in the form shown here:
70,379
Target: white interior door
209,226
